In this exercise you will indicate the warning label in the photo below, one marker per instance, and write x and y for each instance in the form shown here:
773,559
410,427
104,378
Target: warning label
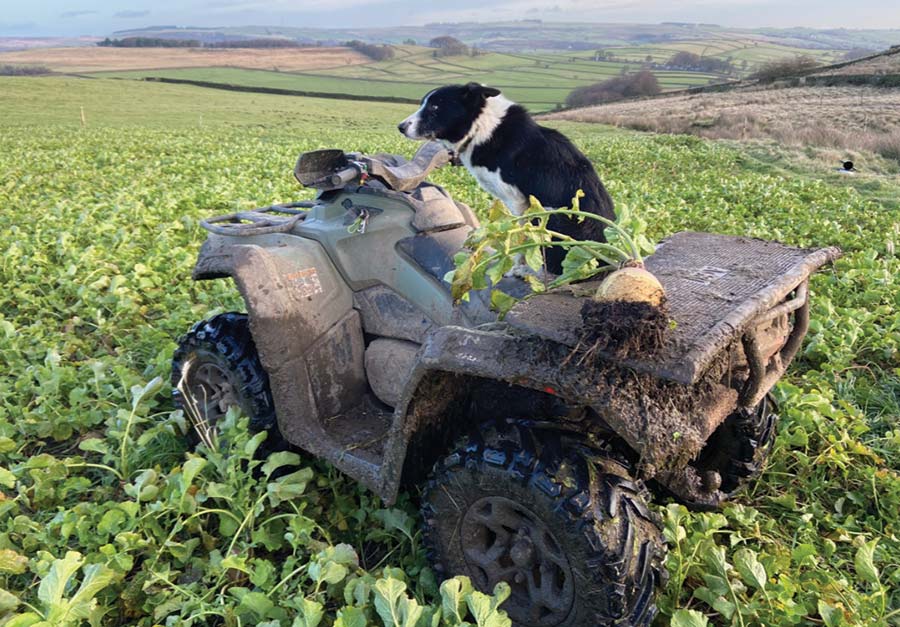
306,282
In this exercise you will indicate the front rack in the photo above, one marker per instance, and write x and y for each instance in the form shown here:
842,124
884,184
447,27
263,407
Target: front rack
765,371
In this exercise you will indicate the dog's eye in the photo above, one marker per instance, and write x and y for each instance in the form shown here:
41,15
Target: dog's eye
432,107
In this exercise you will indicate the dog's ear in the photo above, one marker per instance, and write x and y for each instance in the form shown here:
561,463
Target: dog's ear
477,90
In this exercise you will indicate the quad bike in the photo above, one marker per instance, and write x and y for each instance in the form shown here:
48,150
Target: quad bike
533,461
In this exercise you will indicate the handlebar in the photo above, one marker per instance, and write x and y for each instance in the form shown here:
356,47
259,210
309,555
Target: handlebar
334,169
343,177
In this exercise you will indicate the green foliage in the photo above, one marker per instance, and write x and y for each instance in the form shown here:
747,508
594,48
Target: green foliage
491,250
101,230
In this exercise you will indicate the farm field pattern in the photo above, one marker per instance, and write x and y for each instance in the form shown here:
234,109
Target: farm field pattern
106,518
540,81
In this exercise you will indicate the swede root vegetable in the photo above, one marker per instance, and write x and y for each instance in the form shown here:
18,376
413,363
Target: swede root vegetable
631,284
627,313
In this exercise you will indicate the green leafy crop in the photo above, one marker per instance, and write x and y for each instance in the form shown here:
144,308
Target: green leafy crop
492,249
106,519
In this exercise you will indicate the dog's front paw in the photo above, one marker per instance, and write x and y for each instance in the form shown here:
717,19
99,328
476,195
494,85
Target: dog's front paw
519,271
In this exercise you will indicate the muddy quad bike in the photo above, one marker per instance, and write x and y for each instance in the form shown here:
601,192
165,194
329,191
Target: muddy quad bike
533,460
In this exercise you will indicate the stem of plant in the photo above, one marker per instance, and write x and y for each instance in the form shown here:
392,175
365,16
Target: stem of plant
124,447
569,243
635,251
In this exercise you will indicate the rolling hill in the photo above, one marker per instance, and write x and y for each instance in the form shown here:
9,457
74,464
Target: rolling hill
848,106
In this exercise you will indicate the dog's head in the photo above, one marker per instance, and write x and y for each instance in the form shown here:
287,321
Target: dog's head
448,113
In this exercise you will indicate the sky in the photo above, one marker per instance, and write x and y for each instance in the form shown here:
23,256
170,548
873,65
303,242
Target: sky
101,17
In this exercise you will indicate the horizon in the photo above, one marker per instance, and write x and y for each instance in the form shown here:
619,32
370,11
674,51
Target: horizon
95,18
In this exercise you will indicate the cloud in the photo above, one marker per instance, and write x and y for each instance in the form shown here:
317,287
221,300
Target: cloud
71,14
290,6
131,13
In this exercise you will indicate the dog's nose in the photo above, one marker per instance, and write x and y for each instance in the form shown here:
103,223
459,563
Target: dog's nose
403,126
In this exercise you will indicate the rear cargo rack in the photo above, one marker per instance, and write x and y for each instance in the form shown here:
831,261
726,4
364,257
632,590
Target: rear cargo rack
261,221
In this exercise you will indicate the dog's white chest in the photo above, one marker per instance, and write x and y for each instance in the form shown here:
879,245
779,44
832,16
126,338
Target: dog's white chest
491,181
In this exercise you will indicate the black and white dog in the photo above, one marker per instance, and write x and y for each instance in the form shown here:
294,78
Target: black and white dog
512,157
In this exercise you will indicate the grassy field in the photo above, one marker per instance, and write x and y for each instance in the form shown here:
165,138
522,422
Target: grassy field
111,103
540,82
101,226
738,49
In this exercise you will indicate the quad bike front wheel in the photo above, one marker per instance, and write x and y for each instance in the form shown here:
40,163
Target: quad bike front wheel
738,449
567,528
216,367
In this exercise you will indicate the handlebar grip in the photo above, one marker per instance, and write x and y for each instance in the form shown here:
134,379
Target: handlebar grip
342,177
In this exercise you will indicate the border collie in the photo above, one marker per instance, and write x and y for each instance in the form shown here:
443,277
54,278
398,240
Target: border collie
512,157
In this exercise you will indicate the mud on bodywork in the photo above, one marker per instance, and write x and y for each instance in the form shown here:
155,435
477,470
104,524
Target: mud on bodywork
664,424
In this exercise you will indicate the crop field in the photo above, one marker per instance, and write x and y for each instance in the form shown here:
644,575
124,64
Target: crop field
106,517
95,59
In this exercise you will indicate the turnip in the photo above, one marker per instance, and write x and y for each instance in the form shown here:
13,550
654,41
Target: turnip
632,283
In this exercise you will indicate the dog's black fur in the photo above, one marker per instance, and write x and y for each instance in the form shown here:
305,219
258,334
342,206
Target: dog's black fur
535,160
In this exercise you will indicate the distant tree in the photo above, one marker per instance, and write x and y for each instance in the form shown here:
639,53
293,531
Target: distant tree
695,63
268,42
643,83
148,42
648,58
24,70
377,52
447,46
683,59
409,42
784,68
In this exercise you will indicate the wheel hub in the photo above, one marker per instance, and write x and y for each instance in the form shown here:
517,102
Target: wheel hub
212,389
522,552
503,541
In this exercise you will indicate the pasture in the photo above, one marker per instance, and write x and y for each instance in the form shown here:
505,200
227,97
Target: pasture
108,519
540,82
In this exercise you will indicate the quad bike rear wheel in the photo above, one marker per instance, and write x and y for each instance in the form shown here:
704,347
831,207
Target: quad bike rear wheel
215,367
566,527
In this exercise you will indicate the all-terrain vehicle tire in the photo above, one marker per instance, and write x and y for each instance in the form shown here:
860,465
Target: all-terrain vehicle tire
738,449
565,526
218,364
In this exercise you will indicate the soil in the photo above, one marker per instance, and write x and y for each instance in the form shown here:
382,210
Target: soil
621,328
